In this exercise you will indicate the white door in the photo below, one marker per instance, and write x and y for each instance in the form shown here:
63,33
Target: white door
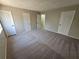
7,22
27,25
65,22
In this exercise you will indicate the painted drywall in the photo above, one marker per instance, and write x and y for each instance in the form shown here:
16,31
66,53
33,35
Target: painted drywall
52,21
53,18
74,30
2,45
17,15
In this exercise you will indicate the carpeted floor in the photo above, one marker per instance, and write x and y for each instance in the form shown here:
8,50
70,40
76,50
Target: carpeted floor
41,44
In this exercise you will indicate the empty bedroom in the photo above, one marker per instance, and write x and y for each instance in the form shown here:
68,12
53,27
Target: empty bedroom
39,29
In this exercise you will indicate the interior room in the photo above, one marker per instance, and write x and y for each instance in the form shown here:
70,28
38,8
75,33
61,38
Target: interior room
39,29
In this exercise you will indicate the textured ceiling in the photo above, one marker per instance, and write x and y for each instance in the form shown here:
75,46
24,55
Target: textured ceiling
39,5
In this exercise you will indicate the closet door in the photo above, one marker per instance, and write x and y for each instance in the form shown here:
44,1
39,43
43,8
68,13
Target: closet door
27,25
66,20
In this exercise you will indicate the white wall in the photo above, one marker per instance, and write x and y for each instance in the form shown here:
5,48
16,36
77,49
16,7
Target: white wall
52,21
2,45
53,18
74,30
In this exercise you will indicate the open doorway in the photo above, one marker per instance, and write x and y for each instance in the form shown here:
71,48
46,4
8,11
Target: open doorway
43,20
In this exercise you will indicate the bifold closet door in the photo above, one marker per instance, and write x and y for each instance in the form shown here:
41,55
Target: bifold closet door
27,24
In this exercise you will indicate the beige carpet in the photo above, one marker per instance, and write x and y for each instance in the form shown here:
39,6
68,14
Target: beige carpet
41,44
